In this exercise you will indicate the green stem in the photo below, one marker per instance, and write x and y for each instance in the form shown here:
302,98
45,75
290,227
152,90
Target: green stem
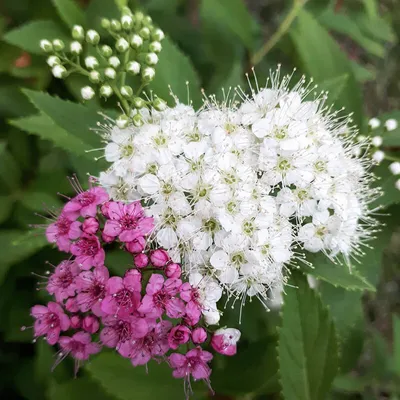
126,60
281,31
124,102
141,87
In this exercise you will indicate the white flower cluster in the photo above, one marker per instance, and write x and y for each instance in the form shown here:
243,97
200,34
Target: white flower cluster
238,190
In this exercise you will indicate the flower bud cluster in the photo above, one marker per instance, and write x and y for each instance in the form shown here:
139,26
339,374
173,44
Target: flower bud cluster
149,313
135,52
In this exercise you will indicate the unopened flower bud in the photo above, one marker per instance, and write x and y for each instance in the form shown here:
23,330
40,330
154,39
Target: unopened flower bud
76,322
46,46
90,225
139,16
391,124
78,33
151,58
158,35
107,238
173,270
91,62
159,104
126,91
122,121
148,74
87,93
122,45
147,21
94,76
110,73
90,324
75,47
115,25
138,103
224,341
133,67
106,51
137,245
199,335
374,123
137,120
145,32
378,156
395,168
106,91
127,22
52,61
71,305
159,258
377,141
92,37
155,47
114,61
59,71
141,260
58,45
105,23
136,41
397,184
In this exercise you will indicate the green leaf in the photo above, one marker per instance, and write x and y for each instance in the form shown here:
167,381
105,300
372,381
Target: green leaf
119,261
361,73
69,12
336,274
371,7
121,3
227,83
334,86
98,9
37,201
10,172
396,343
76,119
307,348
28,36
386,181
175,69
323,59
119,378
6,203
233,16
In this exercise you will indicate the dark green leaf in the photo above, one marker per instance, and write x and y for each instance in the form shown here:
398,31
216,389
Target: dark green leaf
98,9
10,172
37,201
334,87
119,261
69,12
307,348
396,343
6,203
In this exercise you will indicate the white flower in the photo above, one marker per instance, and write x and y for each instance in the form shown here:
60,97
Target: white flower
91,62
374,123
378,156
395,168
76,47
59,71
87,93
391,124
377,141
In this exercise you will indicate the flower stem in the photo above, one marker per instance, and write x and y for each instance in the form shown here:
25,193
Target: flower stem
281,31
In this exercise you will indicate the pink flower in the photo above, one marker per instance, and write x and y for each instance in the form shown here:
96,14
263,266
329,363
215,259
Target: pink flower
154,344
106,238
50,321
88,252
159,258
127,221
199,335
90,324
191,296
63,231
160,297
76,322
62,282
123,294
141,260
121,333
173,271
91,287
137,245
104,209
79,345
85,203
90,225
71,305
178,335
224,341
194,363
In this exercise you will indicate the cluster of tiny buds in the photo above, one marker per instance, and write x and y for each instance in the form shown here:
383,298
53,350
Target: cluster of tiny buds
137,44
378,155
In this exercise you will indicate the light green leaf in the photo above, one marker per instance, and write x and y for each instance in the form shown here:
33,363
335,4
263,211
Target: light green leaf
361,73
396,343
175,69
323,59
386,181
38,201
307,348
334,87
6,203
371,7
227,82
10,171
121,3
69,12
28,36
119,378
98,9
376,27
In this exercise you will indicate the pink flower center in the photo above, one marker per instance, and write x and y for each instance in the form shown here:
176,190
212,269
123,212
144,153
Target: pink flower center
128,222
124,298
124,331
76,347
63,224
52,320
89,247
97,291
85,198
65,279
160,299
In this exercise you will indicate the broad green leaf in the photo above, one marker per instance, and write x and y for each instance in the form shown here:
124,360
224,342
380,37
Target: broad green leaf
307,349
396,343
28,36
376,27
222,85
386,181
121,3
334,87
6,203
43,126
175,70
119,261
10,172
37,201
69,12
371,6
362,73
323,59
98,9
119,378
82,388
13,103
78,120
336,274
350,383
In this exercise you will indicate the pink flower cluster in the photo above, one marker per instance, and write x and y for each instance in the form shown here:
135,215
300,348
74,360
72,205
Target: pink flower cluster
149,313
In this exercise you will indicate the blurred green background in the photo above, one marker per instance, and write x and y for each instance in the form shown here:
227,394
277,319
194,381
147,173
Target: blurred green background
351,49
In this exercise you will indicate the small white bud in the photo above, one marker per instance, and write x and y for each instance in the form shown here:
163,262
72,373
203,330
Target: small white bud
46,45
87,93
76,47
91,62
151,58
52,61
127,22
158,35
95,76
59,71
391,124
159,104
114,61
122,45
378,156
136,41
374,123
395,168
126,91
155,47
377,141
148,74
78,33
145,32
92,37
58,45
133,67
397,184
106,91
122,121
110,73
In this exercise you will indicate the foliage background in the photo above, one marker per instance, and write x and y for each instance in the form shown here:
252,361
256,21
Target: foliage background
341,341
